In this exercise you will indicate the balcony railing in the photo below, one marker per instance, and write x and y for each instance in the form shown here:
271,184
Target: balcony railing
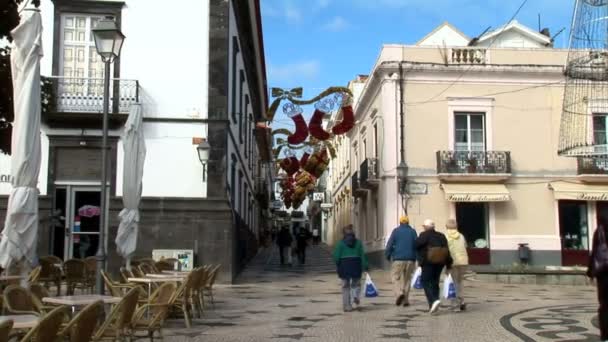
85,95
473,162
469,56
597,165
358,191
368,173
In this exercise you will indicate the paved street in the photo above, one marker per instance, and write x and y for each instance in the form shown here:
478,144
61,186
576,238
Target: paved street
275,303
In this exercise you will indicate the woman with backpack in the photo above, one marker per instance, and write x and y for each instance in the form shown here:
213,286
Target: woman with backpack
598,269
351,260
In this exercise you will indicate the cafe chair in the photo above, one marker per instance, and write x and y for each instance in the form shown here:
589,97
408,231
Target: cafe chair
34,275
5,330
182,299
117,325
119,289
91,268
50,274
210,282
38,291
75,271
48,327
125,274
198,288
160,301
164,266
20,301
82,326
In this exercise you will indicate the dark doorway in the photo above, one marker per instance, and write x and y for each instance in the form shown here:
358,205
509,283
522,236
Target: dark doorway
58,224
574,232
473,218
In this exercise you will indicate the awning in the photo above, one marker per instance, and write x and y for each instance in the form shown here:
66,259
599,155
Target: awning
476,192
581,192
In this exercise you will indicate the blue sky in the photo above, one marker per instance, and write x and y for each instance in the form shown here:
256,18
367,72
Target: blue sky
321,43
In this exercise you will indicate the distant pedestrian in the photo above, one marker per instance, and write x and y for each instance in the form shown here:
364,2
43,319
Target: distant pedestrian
433,255
598,269
351,261
315,236
457,245
302,240
284,240
401,250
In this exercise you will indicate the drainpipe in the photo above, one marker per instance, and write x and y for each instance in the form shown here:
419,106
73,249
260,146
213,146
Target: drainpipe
402,168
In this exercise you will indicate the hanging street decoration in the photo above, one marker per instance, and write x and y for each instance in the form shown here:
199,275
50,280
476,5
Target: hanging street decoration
299,176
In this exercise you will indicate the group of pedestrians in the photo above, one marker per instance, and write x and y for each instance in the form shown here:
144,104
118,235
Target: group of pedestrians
433,252
287,247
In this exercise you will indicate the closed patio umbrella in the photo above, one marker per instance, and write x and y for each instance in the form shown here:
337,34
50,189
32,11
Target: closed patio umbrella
20,234
134,156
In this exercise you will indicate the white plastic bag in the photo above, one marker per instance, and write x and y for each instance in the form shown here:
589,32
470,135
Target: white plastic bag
370,288
289,257
449,289
417,279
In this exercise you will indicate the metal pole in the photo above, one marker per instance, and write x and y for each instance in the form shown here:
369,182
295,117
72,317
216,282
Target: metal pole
101,248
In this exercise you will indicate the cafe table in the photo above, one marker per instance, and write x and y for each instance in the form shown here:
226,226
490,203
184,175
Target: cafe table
166,276
176,273
21,321
80,300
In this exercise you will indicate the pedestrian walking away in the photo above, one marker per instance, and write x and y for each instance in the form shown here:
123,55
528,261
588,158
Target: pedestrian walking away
401,251
284,241
351,261
598,269
457,246
302,240
433,255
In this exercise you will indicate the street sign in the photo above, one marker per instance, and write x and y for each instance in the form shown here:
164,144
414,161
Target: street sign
318,196
277,205
417,188
326,205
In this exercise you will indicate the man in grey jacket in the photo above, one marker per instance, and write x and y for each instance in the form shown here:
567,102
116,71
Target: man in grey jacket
401,250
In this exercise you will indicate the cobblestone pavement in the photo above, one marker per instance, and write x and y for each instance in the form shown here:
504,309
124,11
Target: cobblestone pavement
303,303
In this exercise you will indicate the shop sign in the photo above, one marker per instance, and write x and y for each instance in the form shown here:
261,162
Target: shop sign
586,196
318,196
5,178
478,197
417,188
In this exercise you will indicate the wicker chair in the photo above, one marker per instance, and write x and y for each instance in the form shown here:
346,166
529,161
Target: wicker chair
182,299
137,272
75,271
198,287
164,266
82,326
5,330
145,268
34,275
20,301
160,302
118,324
91,269
38,291
125,274
208,290
50,274
119,289
48,327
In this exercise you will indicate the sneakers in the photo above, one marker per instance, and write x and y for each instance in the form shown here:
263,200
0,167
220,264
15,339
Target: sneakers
356,301
406,303
348,309
435,307
400,300
463,307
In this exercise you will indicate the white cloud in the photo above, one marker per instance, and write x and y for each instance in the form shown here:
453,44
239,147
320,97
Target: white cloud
338,23
290,74
292,14
284,10
322,4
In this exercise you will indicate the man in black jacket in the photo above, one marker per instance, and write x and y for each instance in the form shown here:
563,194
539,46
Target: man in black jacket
433,255
284,241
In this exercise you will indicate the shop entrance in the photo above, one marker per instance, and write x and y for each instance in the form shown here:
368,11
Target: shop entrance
574,232
473,223
76,215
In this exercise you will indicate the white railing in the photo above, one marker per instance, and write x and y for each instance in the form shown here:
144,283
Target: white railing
85,95
469,55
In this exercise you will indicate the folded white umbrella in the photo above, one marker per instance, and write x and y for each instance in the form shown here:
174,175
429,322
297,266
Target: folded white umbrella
20,234
134,157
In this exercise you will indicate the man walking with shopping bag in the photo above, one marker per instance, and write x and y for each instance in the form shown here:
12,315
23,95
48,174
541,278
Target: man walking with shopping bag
351,261
401,251
433,255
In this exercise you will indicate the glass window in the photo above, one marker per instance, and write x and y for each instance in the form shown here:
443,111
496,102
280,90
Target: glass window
469,132
599,129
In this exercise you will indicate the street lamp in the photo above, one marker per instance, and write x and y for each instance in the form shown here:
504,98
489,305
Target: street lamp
108,42
203,150
402,177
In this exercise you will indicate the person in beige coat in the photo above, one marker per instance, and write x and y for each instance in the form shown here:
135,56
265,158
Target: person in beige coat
457,245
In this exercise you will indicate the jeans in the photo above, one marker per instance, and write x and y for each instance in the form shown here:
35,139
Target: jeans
401,275
285,250
430,281
602,294
351,289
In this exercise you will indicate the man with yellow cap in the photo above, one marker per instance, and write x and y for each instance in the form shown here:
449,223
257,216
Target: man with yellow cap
401,250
